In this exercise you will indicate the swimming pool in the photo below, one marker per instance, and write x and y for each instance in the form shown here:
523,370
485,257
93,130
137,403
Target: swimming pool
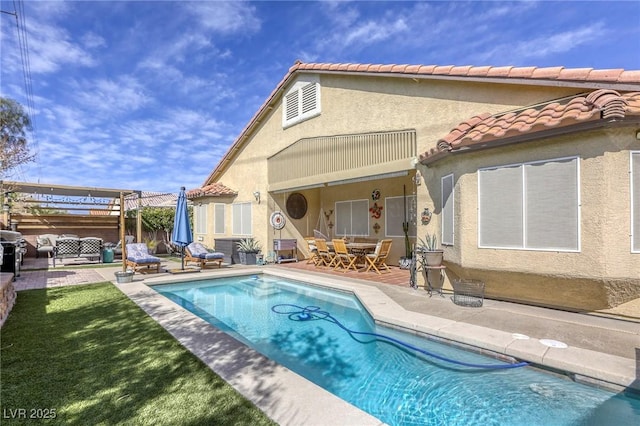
391,383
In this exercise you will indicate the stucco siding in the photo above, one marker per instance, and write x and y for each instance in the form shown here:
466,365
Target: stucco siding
603,273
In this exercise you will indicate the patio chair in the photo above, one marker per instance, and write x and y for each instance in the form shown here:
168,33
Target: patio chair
91,248
117,248
378,259
313,251
65,248
138,257
325,257
45,243
344,259
198,253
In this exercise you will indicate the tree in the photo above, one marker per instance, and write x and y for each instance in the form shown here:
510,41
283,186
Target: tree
14,123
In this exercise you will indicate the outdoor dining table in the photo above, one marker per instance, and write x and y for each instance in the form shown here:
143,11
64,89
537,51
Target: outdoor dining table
360,250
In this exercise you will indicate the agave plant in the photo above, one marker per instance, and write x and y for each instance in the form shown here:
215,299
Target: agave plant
430,243
249,245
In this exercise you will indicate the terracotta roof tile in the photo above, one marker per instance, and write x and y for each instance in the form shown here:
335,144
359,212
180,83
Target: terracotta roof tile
499,71
547,73
478,71
412,69
606,75
460,70
600,105
629,77
426,69
577,74
442,70
216,189
521,72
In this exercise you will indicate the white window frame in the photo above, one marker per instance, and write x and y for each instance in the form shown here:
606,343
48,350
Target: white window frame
522,167
634,174
201,219
298,96
242,219
347,231
448,217
219,218
411,202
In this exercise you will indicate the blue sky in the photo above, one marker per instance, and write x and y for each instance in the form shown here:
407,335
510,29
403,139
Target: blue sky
149,95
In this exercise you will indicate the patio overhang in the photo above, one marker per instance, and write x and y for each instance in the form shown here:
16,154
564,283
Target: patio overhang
42,189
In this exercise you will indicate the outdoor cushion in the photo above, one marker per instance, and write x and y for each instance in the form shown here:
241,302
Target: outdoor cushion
139,253
200,251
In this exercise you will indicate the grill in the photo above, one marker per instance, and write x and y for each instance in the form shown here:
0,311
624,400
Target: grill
14,248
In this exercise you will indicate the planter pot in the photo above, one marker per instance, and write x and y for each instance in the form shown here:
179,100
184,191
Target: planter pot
433,258
124,277
248,258
404,263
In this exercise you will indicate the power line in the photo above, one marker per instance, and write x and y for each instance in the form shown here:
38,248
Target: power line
23,47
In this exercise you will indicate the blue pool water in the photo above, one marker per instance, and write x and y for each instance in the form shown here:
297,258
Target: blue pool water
393,384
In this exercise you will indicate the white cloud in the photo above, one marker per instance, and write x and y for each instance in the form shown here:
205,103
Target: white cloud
544,45
225,17
111,97
51,48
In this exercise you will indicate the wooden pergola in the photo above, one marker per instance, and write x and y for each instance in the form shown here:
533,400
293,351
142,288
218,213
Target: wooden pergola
80,197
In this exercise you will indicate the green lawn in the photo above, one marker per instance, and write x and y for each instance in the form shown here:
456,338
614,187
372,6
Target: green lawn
94,357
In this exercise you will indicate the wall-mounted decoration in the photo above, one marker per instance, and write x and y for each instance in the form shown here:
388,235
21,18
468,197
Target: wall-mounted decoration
375,194
425,217
376,211
328,217
376,227
296,206
277,220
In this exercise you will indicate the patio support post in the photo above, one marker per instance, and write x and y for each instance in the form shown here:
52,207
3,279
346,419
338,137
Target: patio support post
139,219
122,233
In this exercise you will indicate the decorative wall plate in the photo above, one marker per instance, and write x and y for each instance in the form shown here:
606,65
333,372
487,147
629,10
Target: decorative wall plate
296,206
277,220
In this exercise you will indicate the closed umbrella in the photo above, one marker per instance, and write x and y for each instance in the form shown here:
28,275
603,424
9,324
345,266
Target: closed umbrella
182,235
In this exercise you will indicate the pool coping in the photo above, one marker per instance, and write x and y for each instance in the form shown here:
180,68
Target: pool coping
283,394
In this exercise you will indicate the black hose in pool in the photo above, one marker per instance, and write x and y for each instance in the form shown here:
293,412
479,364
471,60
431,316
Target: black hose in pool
299,313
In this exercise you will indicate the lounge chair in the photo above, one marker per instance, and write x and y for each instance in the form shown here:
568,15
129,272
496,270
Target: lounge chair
198,253
378,259
138,257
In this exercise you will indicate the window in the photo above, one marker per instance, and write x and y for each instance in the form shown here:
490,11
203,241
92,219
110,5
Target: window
447,201
218,218
301,102
394,215
635,202
241,219
530,206
352,218
201,218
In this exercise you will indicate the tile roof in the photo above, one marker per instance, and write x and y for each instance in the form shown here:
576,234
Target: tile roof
598,107
150,199
214,190
587,77
535,73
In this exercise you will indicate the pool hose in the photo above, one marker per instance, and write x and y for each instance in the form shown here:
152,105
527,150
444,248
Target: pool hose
311,313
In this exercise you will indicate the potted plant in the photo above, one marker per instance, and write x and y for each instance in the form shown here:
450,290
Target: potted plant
248,249
152,245
428,248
